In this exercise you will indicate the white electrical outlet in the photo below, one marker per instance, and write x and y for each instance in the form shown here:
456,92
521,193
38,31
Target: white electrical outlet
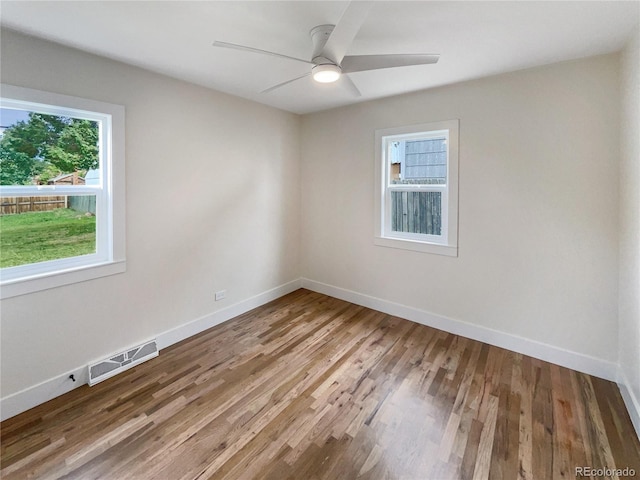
221,295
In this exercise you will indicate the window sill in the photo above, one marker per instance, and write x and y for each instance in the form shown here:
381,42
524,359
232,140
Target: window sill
23,286
424,247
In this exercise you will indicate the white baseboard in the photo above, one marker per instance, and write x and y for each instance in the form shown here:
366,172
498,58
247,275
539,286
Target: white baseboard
549,353
630,400
201,324
43,392
49,389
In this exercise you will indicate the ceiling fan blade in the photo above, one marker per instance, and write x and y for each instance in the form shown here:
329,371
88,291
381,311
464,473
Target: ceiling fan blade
360,63
257,50
350,85
270,89
345,30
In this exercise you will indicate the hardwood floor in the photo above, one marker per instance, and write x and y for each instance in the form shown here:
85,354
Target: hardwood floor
310,387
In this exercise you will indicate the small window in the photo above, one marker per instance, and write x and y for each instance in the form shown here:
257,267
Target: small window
417,187
61,190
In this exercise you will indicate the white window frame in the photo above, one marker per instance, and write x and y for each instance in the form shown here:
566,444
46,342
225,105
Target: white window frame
445,244
109,257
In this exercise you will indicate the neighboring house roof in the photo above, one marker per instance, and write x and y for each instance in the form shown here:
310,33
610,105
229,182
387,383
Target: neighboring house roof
60,177
66,177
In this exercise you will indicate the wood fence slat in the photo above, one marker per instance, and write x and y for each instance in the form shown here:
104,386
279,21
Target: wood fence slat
416,212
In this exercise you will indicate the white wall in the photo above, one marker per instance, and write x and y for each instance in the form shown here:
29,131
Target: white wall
630,225
212,203
538,223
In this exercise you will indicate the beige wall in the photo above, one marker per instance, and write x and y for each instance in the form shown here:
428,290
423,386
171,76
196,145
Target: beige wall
212,203
630,221
538,224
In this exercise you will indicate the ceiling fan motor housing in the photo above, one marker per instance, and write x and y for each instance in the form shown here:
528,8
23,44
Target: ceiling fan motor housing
319,36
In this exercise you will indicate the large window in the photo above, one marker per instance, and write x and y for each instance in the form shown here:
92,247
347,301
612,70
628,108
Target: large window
417,187
61,190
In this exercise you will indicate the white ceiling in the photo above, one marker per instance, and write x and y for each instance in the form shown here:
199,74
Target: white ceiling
474,39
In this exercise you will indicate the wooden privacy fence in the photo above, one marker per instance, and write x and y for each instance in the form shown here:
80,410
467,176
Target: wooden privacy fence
416,212
12,205
79,203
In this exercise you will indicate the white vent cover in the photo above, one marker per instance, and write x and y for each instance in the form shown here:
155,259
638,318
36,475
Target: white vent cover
122,361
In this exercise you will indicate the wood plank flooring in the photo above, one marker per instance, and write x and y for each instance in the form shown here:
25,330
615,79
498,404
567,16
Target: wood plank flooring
311,387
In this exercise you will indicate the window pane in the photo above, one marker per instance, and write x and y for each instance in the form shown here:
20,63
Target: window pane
419,162
416,212
42,149
41,228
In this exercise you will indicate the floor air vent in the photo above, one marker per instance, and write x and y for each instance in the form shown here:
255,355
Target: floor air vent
122,361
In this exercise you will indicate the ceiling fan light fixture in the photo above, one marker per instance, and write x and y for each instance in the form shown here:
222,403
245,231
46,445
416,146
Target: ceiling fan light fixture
326,73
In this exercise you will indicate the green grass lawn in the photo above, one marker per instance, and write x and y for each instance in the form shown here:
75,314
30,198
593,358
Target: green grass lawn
39,236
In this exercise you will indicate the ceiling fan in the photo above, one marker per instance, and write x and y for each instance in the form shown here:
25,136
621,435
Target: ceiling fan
329,61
